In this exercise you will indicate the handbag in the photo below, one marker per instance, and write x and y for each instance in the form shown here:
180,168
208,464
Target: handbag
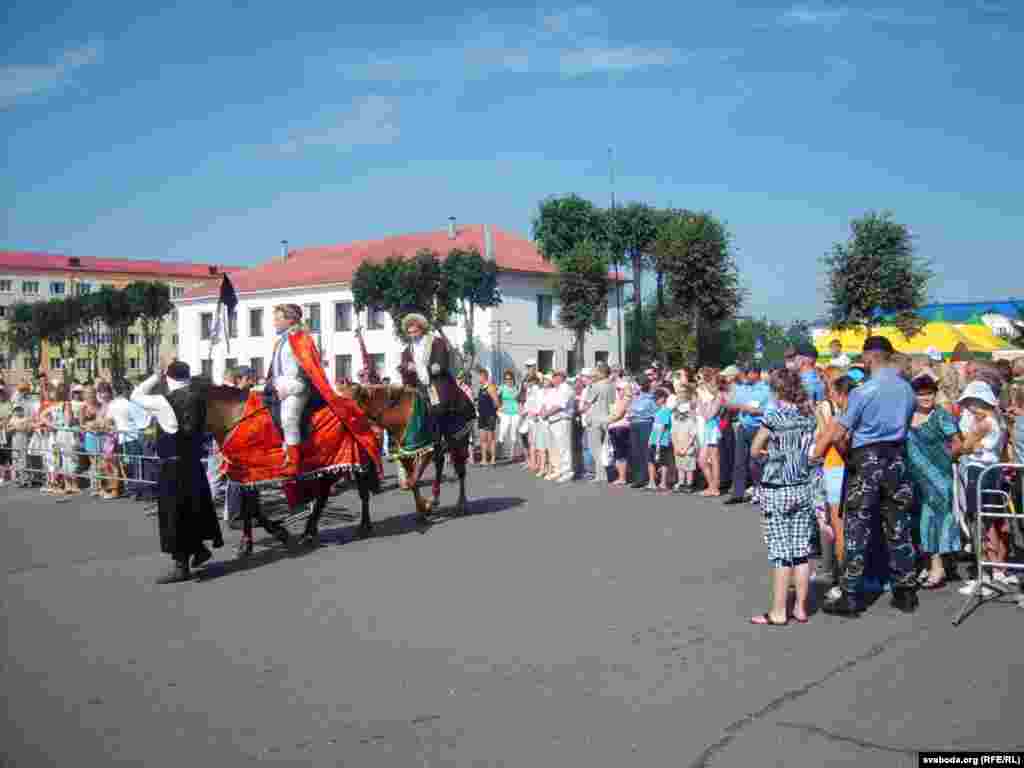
607,454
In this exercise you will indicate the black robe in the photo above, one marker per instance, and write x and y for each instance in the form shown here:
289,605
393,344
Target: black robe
185,512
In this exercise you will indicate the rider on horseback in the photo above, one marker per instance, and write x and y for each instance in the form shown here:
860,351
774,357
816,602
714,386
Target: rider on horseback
295,378
426,365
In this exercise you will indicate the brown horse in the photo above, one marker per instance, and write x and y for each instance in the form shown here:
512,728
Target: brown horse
390,406
225,410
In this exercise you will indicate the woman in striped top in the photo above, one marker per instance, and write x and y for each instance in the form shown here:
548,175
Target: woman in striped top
787,495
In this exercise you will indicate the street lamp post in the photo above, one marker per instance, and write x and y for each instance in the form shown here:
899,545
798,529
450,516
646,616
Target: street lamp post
499,327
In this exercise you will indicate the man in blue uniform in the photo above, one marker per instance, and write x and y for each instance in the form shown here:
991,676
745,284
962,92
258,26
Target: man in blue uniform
751,398
877,485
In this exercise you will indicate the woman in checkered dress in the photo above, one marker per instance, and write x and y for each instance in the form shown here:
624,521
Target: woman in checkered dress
787,495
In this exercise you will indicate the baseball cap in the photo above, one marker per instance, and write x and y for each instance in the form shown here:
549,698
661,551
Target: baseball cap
934,355
530,362
731,372
979,390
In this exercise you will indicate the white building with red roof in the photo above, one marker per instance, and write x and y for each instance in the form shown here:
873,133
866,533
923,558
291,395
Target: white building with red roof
524,326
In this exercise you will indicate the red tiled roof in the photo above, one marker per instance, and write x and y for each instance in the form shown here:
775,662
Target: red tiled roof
51,262
324,265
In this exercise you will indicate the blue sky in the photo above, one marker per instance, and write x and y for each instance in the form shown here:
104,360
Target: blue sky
210,131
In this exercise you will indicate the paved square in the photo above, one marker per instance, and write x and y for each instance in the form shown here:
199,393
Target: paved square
557,625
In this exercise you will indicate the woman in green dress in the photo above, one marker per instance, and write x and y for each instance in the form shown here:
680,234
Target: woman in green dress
932,437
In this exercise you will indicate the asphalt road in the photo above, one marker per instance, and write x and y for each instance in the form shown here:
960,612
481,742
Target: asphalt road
553,626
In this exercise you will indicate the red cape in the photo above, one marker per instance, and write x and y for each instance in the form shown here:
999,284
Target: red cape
350,414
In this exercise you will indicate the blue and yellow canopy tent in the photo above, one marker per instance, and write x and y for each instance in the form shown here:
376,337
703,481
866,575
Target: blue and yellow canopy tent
973,340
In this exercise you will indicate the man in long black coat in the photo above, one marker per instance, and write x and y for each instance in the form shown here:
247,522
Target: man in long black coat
185,511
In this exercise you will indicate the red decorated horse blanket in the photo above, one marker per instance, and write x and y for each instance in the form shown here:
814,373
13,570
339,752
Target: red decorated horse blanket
341,440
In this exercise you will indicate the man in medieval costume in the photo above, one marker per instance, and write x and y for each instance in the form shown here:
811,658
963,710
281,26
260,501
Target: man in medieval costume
185,506
441,409
295,382
296,387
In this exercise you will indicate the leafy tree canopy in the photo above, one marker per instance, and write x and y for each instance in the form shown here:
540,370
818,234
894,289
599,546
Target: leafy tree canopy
563,222
875,272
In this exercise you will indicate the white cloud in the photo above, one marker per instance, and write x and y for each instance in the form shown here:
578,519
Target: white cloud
586,61
568,43
828,17
372,120
20,82
804,15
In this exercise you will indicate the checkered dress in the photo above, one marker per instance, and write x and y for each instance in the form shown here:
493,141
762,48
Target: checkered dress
788,523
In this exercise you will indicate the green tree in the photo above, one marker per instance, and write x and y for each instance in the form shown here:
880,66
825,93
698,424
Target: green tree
92,325
21,336
401,285
563,222
472,282
582,288
693,251
632,231
58,322
118,316
151,301
876,274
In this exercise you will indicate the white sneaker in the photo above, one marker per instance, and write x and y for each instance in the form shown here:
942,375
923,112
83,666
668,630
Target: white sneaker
834,594
1003,577
970,587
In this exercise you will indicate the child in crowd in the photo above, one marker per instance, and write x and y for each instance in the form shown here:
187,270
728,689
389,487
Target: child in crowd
684,439
20,427
659,456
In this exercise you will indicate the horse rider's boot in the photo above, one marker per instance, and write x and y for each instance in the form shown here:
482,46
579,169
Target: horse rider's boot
178,572
292,459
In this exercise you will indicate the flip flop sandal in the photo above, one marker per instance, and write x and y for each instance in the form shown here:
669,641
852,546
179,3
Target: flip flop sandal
804,620
929,584
765,620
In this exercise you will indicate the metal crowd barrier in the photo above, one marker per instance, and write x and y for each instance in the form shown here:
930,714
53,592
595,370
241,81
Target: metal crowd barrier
999,507
58,457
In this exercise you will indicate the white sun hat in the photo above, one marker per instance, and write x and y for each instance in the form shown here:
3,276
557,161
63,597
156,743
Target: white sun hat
979,390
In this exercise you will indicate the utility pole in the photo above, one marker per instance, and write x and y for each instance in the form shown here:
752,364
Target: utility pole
615,256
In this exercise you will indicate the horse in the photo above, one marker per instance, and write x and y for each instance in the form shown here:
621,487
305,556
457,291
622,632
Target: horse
225,411
390,407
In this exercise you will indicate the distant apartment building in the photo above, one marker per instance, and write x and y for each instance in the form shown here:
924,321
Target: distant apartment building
27,276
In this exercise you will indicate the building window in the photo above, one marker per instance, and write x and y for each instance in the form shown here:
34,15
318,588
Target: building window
82,364
106,363
174,316
30,287
545,306
256,364
570,362
133,363
205,325
231,362
233,324
6,286
177,291
57,288
56,364
343,367
3,362
343,316
207,369
3,311
174,339
83,289
312,313
133,338
255,322
545,360
600,356
377,361
375,318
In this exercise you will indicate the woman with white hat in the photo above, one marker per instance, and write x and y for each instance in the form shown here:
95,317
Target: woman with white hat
983,445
